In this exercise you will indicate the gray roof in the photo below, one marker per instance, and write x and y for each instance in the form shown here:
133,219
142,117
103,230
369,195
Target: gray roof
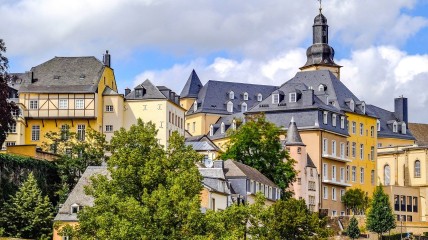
215,179
214,96
386,117
65,75
227,120
202,146
78,196
309,162
293,136
236,169
420,132
108,91
151,92
192,86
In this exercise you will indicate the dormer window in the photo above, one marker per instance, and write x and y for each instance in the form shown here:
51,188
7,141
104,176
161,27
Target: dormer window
394,127
352,105
325,117
195,106
275,98
378,125
211,130
139,92
222,128
342,122
322,88
82,77
234,124
293,97
363,108
231,95
334,120
243,107
259,97
245,96
75,208
403,128
230,106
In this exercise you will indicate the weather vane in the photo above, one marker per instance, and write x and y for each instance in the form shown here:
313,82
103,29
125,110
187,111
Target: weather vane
320,5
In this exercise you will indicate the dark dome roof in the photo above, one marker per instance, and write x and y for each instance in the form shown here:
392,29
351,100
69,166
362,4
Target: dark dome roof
320,54
320,19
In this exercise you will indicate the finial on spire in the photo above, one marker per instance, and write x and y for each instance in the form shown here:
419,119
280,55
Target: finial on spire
292,119
320,5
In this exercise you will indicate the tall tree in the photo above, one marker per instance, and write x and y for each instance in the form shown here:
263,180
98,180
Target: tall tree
353,230
380,217
256,143
152,193
27,214
356,200
6,107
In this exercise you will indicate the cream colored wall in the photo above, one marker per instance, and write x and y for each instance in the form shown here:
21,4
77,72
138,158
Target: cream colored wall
391,191
107,80
60,224
114,118
220,201
202,122
186,103
221,143
392,142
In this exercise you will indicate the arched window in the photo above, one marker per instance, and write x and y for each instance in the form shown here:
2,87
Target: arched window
403,128
243,107
231,95
195,106
230,106
321,88
222,128
387,175
259,97
417,168
245,96
211,130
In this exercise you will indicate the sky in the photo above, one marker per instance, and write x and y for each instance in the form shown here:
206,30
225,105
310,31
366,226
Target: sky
382,44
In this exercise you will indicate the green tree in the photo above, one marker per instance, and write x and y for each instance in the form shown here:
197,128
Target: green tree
76,153
27,214
353,230
357,200
380,218
6,107
256,143
151,193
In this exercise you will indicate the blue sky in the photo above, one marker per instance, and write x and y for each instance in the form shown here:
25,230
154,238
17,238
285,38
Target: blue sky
382,45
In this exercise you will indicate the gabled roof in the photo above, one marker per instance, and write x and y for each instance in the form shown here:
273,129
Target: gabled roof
309,162
78,196
151,92
214,96
234,169
386,117
65,75
420,132
109,92
192,86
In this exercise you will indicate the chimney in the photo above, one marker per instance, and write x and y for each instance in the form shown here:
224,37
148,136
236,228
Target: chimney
308,97
107,59
400,109
219,164
127,91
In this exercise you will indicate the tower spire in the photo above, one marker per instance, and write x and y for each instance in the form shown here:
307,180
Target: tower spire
320,6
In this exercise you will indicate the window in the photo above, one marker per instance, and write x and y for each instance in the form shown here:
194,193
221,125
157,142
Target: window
81,130
211,130
354,127
342,122
333,193
354,149
333,173
347,148
342,174
35,133
312,172
417,169
12,128
321,88
342,193
363,108
299,150
403,128
194,126
293,97
109,108
372,177
415,204
259,97
325,118
361,175
334,212
372,153
230,106
109,128
63,103
213,204
34,104
378,125
275,98
361,151
65,131
243,107
195,106
325,146
299,181
311,186
354,173
325,171
371,131
361,129
352,105
138,93
234,124
79,104
231,95
334,120
325,192
333,148
222,128
394,127
387,175
347,173
342,150
245,96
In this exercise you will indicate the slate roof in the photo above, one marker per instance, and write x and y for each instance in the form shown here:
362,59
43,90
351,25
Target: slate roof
202,146
385,117
109,92
293,136
235,169
214,96
192,86
420,132
215,179
227,120
151,92
65,75
78,196
309,162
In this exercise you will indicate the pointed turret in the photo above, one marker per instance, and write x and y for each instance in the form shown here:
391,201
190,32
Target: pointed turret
192,86
293,136
320,55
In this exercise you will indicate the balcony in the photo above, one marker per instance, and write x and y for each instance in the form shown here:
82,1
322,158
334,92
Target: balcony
334,182
336,158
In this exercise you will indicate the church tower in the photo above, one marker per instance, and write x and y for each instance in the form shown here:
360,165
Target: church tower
320,55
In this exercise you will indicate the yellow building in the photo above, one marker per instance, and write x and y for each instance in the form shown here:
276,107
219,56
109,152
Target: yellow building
64,92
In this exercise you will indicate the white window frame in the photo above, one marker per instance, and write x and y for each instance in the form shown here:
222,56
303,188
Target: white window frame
354,174
275,98
378,125
79,104
354,149
81,132
362,151
325,117
109,108
334,120
12,128
362,175
35,133
63,104
342,193
293,97
342,150
245,96
394,127
352,105
361,129
325,171
222,128
342,122
231,95
325,146
195,106
325,192
244,107
342,174
259,97
333,194
403,128
333,173
333,148
211,130
354,127
230,106
109,128
34,104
